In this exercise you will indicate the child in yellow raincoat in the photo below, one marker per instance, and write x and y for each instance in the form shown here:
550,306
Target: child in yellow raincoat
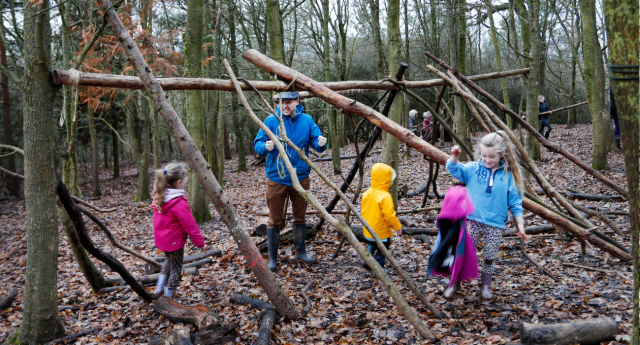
378,210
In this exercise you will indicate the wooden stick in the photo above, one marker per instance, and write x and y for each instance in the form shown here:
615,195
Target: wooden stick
71,337
199,165
553,147
561,109
307,307
388,284
6,302
63,77
538,266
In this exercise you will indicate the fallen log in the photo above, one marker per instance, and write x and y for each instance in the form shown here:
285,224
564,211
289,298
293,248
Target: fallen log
583,196
268,316
290,213
179,335
561,109
407,222
149,279
200,316
63,77
198,164
532,230
416,210
221,335
6,302
553,147
590,331
151,269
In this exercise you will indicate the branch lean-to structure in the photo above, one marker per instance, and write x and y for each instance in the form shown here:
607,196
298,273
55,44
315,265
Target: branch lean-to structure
199,165
387,283
64,77
349,106
525,125
530,163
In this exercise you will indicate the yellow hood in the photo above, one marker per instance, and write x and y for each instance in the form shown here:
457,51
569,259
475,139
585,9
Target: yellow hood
381,176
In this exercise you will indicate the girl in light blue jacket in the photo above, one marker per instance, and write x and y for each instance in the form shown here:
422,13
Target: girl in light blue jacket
495,186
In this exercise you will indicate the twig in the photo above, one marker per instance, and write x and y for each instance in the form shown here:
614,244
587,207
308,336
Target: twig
115,242
70,337
307,308
540,268
588,268
416,210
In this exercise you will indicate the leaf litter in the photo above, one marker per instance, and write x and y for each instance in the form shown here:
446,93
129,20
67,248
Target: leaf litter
348,305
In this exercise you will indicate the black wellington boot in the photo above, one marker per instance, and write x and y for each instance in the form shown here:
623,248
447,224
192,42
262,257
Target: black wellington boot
273,242
618,144
299,235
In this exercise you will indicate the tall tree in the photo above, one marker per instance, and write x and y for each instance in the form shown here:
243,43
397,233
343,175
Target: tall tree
215,121
198,200
591,56
391,155
274,30
40,319
95,148
377,36
331,114
496,50
455,52
622,35
237,120
13,184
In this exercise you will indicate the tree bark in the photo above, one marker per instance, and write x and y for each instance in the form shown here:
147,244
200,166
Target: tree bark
157,150
195,107
116,150
590,331
199,316
13,184
622,33
596,103
533,146
496,50
40,320
238,125
254,259
391,149
274,30
95,150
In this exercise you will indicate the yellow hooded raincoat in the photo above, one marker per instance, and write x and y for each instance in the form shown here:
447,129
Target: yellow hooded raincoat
377,204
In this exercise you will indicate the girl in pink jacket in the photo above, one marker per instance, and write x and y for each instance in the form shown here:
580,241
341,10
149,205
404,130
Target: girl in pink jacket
172,222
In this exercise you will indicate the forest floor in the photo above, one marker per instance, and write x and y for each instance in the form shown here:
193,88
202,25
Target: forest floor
348,305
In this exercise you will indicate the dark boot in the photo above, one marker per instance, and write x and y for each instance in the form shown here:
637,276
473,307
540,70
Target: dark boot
299,236
273,242
618,145
485,288
546,135
448,293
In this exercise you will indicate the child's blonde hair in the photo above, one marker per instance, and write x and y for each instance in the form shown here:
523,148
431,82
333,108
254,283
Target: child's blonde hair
505,148
167,178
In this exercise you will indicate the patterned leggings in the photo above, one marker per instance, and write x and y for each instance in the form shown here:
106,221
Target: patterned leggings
492,239
172,267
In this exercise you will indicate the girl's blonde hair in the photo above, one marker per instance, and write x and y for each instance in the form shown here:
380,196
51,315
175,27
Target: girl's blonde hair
167,178
505,148
540,98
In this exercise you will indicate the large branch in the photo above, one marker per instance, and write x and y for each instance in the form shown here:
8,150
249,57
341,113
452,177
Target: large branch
349,106
544,141
63,77
199,165
561,109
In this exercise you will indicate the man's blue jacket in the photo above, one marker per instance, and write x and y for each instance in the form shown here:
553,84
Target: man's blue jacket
302,131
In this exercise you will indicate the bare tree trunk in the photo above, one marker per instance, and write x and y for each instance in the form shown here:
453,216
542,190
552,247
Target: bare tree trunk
13,184
622,34
95,151
496,50
198,200
40,320
157,150
116,151
394,47
238,125
531,144
596,103
274,30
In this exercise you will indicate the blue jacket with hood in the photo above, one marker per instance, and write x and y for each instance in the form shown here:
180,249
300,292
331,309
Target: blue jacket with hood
302,131
493,194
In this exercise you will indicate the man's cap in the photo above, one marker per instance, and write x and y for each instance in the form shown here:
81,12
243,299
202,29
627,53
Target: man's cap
287,96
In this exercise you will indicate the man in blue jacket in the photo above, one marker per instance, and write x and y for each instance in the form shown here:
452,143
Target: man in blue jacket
303,132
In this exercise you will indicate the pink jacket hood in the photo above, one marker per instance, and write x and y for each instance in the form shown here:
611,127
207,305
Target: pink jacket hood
457,204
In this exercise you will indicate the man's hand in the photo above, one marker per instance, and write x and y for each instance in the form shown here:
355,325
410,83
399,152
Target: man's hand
269,145
455,153
321,141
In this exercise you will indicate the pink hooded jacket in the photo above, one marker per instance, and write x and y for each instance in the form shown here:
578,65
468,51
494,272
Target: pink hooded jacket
170,228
